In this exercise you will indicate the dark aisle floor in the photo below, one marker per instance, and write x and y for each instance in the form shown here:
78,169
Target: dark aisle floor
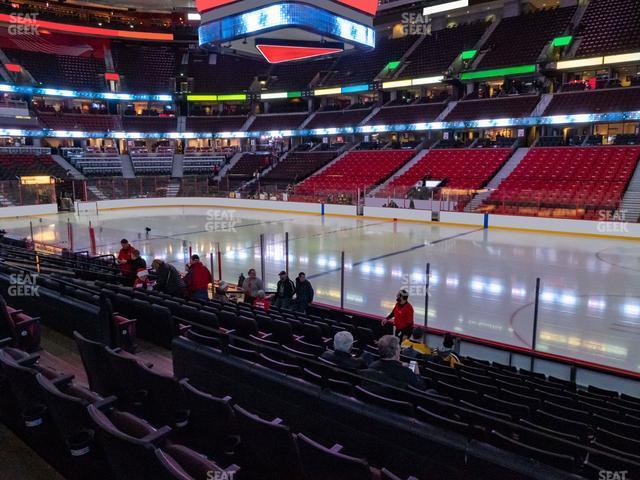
19,462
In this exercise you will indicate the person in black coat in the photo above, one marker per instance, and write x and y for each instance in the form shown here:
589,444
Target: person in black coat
389,370
285,290
169,280
341,355
304,293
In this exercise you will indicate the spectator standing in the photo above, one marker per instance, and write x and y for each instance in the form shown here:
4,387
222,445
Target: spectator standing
169,280
304,293
285,290
198,279
402,315
251,286
125,258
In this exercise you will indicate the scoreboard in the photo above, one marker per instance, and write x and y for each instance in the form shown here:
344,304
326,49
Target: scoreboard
288,30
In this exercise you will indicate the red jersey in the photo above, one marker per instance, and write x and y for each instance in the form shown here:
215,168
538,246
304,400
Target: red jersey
198,277
402,316
262,303
125,256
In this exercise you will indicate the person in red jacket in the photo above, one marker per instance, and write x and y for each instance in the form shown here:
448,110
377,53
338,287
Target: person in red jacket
125,257
262,302
198,279
401,316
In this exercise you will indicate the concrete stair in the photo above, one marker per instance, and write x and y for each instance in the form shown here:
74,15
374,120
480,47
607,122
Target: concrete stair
416,158
630,206
174,187
5,202
97,192
542,105
68,167
127,167
450,106
495,182
178,166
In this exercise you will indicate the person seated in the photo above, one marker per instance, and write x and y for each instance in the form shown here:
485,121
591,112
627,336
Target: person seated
261,301
414,347
448,353
341,355
389,370
221,292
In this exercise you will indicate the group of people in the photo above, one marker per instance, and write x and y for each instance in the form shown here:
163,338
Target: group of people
407,341
291,295
194,283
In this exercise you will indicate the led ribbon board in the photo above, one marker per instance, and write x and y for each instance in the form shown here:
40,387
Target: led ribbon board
286,31
55,92
368,129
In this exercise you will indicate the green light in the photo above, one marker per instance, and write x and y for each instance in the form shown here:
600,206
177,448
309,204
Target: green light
231,98
393,65
202,98
562,41
294,94
468,54
498,72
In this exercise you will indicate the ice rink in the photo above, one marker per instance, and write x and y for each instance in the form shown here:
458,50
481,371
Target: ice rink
482,282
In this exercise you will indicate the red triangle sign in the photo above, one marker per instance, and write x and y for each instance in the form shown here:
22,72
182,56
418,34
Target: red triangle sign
289,53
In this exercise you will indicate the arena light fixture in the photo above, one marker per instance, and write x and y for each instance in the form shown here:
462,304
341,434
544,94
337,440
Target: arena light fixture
232,98
426,80
327,91
193,17
355,88
622,58
445,7
580,63
273,96
468,54
498,72
202,98
396,84
562,41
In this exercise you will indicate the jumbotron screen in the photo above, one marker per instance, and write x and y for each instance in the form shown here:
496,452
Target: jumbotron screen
366,6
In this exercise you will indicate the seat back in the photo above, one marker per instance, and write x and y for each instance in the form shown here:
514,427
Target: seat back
268,447
321,463
94,360
164,397
126,443
24,388
182,463
212,421
69,415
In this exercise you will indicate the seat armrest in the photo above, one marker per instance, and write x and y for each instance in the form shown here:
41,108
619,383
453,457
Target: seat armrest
105,403
158,437
27,322
63,381
29,361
